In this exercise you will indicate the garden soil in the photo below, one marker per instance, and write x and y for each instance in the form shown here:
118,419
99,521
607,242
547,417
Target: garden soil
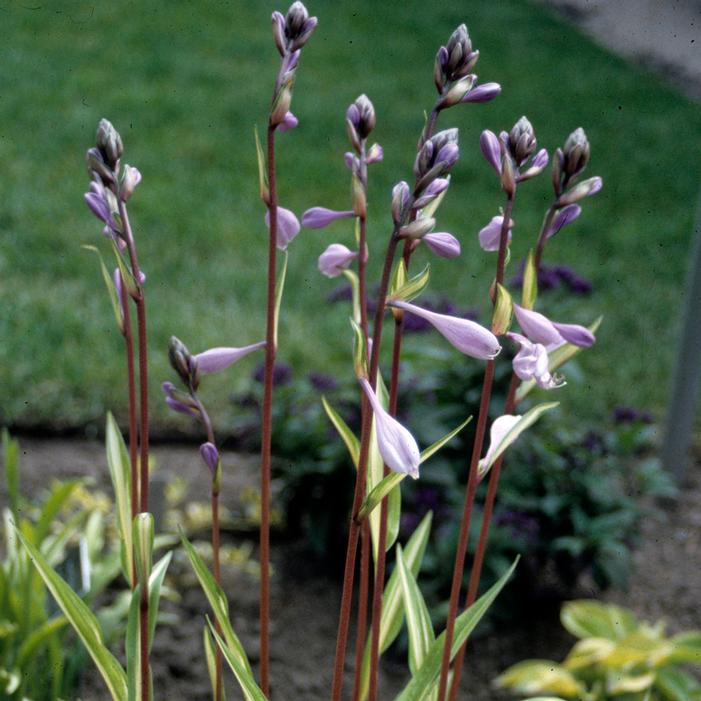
304,600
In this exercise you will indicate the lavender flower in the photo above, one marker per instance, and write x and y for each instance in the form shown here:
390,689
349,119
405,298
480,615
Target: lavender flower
490,235
179,401
586,188
335,259
282,373
396,445
538,163
500,428
435,158
130,179
564,217
288,122
320,217
437,187
539,329
375,154
491,149
287,226
467,336
455,60
531,363
442,244
360,121
521,142
217,359
575,153
483,93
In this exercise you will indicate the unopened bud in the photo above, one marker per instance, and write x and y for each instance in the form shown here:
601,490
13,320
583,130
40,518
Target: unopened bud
109,142
458,91
131,178
522,141
401,197
359,197
576,152
298,26
460,56
366,116
508,176
182,362
417,228
281,105
279,31
585,189
96,164
558,161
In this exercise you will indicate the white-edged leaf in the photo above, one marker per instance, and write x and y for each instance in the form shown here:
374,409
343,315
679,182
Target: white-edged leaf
120,474
84,623
111,289
418,621
352,278
155,582
426,677
379,492
279,289
262,168
413,287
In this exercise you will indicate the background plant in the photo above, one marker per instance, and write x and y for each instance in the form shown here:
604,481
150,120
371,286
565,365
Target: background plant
616,657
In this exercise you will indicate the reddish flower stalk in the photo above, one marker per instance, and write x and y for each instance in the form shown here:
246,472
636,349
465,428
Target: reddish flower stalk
131,389
143,438
355,524
472,479
266,438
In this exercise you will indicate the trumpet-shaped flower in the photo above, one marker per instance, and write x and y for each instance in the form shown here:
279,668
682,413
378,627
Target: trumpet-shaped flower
335,259
287,226
320,217
531,363
500,428
539,329
442,244
397,446
467,336
216,359
490,235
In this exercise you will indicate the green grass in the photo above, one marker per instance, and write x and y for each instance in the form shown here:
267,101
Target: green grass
185,83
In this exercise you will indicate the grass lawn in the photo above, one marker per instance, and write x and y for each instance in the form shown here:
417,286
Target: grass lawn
185,83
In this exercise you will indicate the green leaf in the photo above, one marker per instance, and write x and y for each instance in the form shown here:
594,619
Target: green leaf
426,677
133,288
111,289
586,618
426,453
394,514
379,492
211,657
527,420
218,602
84,623
399,277
243,675
58,496
686,647
352,277
143,544
503,310
346,434
556,359
37,638
10,450
418,621
529,291
540,676
677,685
155,584
262,169
360,350
392,602
413,287
279,289
120,474
132,645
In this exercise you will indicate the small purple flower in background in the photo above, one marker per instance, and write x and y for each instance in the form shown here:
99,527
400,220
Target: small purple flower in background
320,217
341,293
629,415
282,374
210,456
576,283
551,277
396,445
531,363
335,259
287,226
217,359
490,235
539,329
442,244
467,336
322,382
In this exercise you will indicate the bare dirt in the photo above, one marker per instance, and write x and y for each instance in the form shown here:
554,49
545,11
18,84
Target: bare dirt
304,602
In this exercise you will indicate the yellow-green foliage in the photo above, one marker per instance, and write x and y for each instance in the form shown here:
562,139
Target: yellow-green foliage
616,657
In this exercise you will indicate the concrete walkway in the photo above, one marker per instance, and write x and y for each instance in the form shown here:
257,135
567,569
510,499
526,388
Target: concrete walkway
662,35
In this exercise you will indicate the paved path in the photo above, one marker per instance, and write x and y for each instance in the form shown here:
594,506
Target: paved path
663,35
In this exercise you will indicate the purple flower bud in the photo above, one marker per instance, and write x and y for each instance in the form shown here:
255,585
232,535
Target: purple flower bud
491,149
531,363
278,22
375,154
483,93
351,161
117,279
438,186
132,177
564,217
576,335
320,217
401,196
448,156
500,428
490,235
216,359
396,445
178,401
538,163
287,226
442,244
585,189
210,456
288,122
467,336
335,259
